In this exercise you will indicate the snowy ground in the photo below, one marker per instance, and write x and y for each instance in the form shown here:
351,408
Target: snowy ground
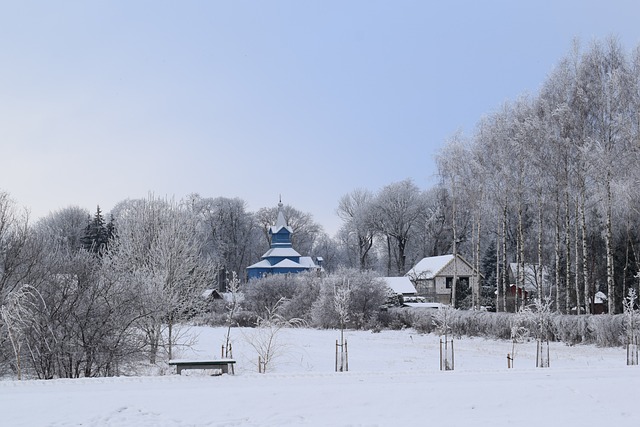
393,380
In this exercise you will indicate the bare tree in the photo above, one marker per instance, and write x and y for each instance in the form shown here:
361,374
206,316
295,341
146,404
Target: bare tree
356,210
398,208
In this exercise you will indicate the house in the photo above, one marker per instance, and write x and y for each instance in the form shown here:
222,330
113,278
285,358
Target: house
281,258
399,290
403,292
433,277
400,286
599,303
536,278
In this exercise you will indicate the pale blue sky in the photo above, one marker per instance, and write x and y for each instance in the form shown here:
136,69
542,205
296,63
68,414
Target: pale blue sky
106,100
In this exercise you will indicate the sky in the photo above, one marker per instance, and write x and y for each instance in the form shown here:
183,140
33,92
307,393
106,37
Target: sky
104,101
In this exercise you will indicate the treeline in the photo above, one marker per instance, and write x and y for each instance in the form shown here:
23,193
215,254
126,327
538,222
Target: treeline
82,295
552,180
548,181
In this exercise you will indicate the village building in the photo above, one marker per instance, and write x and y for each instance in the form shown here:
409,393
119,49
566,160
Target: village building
281,258
536,280
403,293
433,277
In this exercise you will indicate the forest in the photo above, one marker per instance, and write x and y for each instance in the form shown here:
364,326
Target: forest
549,179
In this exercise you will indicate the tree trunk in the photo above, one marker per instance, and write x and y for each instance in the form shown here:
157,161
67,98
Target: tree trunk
609,244
539,271
505,264
497,275
476,287
576,240
567,247
585,277
557,255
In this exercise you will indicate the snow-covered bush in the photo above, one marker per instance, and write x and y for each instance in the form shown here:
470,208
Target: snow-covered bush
605,331
263,294
366,296
601,330
305,293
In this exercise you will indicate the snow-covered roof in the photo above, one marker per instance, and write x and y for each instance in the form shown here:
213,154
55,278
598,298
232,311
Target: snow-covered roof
400,285
280,222
287,263
307,262
429,305
600,297
261,264
207,293
281,252
428,268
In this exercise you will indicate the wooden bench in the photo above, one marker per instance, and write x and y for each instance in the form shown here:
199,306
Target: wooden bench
221,364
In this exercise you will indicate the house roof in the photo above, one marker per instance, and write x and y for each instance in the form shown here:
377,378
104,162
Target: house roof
429,267
400,285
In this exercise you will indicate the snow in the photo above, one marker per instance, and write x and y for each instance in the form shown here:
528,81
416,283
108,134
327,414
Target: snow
393,380
429,267
400,285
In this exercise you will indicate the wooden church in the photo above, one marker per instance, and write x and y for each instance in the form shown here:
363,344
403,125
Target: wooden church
281,258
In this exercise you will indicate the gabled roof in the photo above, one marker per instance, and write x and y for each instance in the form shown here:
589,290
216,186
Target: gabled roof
430,267
400,285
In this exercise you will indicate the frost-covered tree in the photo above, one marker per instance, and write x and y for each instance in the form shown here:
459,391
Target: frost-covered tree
356,210
157,251
231,235
398,207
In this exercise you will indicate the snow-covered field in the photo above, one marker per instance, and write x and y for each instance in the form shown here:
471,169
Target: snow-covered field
393,380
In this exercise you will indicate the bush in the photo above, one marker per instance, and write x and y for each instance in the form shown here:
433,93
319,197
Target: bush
366,294
601,330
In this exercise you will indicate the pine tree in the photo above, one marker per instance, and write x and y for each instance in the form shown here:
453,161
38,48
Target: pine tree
97,233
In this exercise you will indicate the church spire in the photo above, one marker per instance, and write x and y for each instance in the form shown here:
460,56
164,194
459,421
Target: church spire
280,222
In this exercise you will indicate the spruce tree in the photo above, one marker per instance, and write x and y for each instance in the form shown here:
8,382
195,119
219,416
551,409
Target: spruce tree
97,233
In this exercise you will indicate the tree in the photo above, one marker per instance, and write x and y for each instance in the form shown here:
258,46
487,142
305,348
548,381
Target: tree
158,252
265,337
97,234
398,207
230,233
356,210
